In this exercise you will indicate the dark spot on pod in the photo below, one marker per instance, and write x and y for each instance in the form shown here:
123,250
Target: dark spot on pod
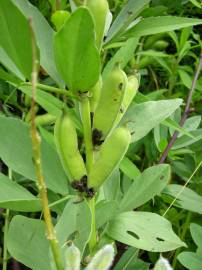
115,99
33,161
77,185
73,236
83,156
70,104
100,142
91,118
82,92
120,86
90,192
84,181
121,110
161,177
97,137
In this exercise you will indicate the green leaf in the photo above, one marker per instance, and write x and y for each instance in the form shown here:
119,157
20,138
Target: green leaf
74,224
16,152
129,261
105,211
174,125
190,260
6,76
76,55
128,13
144,187
161,24
123,55
51,104
186,79
111,187
27,242
142,118
184,140
196,233
129,168
16,37
44,38
17,198
144,230
47,101
10,65
196,3
188,199
192,123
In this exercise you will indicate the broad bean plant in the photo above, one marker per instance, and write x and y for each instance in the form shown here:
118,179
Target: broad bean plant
71,193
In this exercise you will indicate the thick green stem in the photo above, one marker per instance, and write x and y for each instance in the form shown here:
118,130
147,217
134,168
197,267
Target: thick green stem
86,119
51,89
93,237
6,231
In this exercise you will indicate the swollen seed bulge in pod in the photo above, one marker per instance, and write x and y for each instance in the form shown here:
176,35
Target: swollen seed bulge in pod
112,94
111,153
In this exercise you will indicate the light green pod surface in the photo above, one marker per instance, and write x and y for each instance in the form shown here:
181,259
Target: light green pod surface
65,134
67,147
59,17
99,10
111,98
95,91
76,167
131,91
103,259
72,258
111,153
160,45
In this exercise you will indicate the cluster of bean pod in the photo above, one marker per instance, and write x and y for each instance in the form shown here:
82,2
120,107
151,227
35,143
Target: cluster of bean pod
110,141
109,100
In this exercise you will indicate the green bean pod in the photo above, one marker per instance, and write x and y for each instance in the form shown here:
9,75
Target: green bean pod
160,45
99,10
67,147
131,91
111,153
59,18
72,258
95,91
112,94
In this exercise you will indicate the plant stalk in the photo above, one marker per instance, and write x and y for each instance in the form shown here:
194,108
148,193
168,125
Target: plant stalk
36,141
186,112
93,236
51,89
86,119
85,112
